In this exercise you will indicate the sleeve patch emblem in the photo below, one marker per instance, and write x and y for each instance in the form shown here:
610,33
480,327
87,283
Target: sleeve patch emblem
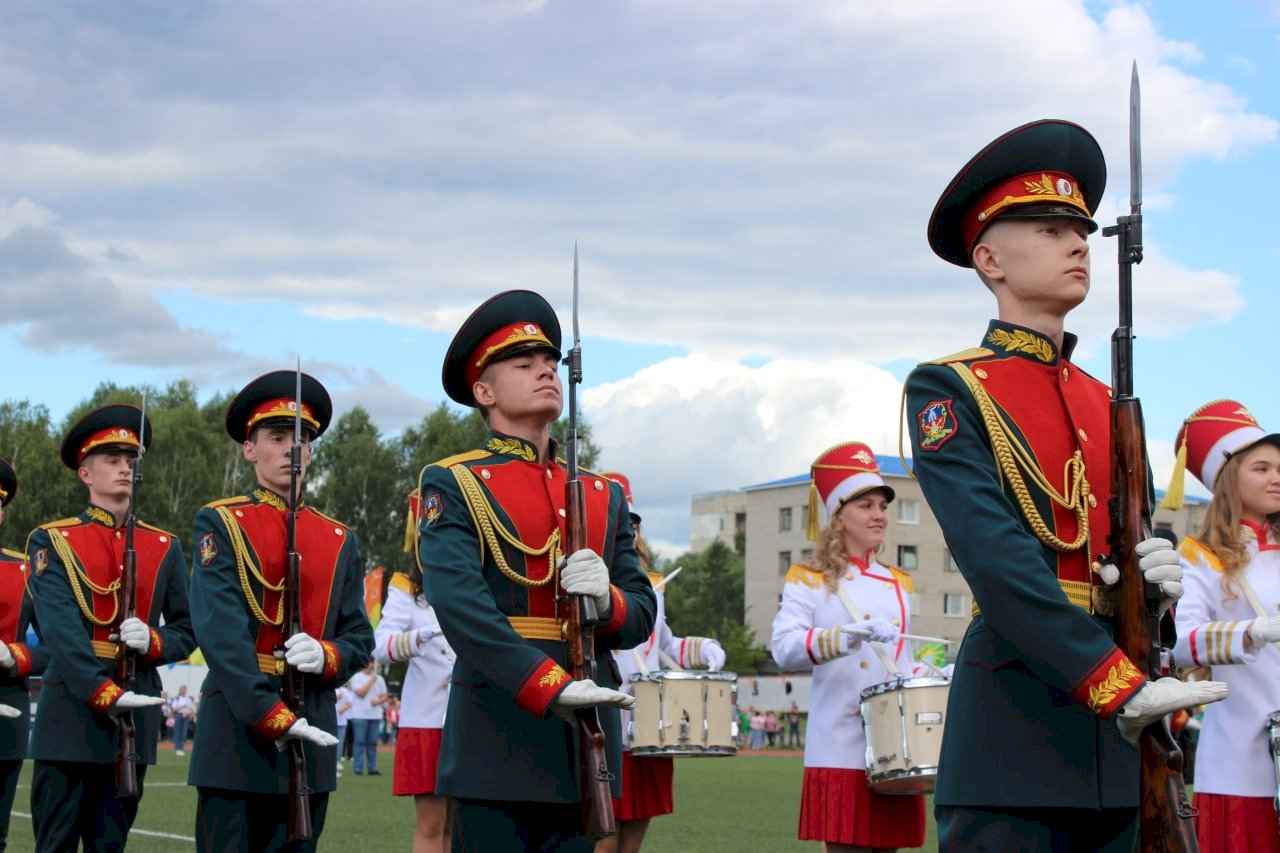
42,560
937,424
432,508
208,549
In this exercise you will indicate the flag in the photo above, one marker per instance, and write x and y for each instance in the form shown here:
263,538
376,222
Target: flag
933,653
373,595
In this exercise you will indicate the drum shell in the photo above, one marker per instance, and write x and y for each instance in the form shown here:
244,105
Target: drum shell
903,721
665,697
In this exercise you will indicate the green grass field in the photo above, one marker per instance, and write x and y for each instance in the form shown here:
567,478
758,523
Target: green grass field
749,802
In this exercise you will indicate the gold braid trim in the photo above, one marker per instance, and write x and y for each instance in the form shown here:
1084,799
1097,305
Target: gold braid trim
1013,459
75,574
491,529
245,566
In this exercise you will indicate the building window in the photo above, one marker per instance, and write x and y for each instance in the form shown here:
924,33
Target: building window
908,558
784,518
784,563
955,604
804,518
950,565
806,556
908,511
739,522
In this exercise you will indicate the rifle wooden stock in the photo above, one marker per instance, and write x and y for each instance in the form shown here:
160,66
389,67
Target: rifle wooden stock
295,691
593,766
1165,814
126,674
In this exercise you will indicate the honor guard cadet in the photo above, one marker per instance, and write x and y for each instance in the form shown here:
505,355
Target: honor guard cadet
490,551
17,659
1011,444
240,764
647,782
77,566
1229,620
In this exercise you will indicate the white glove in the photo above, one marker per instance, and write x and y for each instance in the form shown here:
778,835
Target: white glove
9,711
6,657
135,634
875,630
1160,565
712,655
1261,631
304,731
304,653
130,701
425,635
587,694
1164,696
584,573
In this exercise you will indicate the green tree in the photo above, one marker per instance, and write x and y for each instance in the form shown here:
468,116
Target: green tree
46,489
706,600
356,481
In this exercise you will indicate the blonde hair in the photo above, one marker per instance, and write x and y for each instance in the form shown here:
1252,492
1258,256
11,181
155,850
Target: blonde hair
642,551
1220,532
829,555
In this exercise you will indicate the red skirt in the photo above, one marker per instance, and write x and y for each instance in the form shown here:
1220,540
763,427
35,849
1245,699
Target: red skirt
1229,824
839,806
646,787
417,754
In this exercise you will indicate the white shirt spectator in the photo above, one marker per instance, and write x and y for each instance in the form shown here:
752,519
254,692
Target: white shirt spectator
180,706
362,707
343,700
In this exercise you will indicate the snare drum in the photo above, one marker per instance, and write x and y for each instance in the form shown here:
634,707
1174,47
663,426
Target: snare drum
903,720
680,712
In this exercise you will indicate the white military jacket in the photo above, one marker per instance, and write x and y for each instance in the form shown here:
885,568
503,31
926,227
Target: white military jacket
834,737
426,683
1232,755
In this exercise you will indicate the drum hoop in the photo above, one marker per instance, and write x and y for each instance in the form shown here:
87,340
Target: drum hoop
904,684
682,675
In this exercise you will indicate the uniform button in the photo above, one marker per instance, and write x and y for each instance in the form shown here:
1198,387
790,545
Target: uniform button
117,534
1065,374
548,473
337,530
1082,435
562,514
866,616
897,623
1108,392
64,534
239,514
599,486
1093,502
980,373
164,538
848,576
864,664
888,584
484,472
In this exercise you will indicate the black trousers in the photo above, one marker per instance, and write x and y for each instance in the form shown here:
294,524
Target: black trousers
252,823
974,830
496,826
75,802
9,772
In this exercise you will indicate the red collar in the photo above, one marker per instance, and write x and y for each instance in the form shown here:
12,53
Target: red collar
1260,534
864,563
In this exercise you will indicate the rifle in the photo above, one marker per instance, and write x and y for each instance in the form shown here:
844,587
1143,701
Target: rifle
581,616
1165,814
294,687
126,661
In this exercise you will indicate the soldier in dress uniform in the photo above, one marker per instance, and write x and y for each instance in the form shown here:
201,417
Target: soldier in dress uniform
76,565
1011,444
647,782
240,766
490,550
17,660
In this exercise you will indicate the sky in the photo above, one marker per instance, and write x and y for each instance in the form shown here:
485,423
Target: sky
211,190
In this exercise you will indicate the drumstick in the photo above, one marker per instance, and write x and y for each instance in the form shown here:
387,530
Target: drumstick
864,632
660,584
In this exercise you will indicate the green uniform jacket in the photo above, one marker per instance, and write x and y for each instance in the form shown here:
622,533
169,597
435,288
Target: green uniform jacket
240,541
15,615
72,723
500,740
1038,675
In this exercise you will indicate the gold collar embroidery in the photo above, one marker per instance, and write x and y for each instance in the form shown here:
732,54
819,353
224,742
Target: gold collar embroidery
100,515
512,447
1020,340
266,496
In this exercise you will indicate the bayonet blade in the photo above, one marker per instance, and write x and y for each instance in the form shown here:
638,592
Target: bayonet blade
575,293
1135,143
142,425
297,402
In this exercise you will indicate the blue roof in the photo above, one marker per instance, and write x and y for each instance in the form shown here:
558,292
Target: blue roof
891,466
